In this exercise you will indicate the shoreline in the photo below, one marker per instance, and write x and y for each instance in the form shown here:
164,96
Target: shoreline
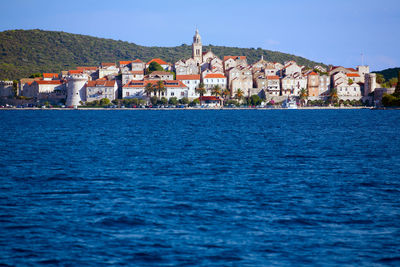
217,108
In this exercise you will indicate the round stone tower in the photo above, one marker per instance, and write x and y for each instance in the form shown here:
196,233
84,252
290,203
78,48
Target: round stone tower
76,90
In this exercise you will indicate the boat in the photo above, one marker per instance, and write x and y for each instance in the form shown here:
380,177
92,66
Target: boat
289,103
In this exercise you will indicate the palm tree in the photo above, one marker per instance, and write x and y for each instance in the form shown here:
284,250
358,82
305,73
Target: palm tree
239,94
149,89
303,96
201,90
160,88
216,90
225,94
333,96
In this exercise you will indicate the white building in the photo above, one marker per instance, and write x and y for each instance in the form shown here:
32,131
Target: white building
136,89
292,84
192,82
213,79
273,85
97,90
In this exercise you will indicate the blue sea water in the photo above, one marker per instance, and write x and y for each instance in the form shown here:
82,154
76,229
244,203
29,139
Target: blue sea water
200,188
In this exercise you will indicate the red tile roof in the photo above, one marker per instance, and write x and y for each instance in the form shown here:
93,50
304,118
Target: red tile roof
274,77
214,75
137,72
353,75
75,71
55,82
107,64
158,60
124,62
160,73
234,57
50,75
188,77
312,73
101,83
137,61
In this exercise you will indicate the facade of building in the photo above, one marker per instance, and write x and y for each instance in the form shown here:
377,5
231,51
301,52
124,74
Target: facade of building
6,88
273,85
313,86
136,89
192,82
215,79
97,90
161,75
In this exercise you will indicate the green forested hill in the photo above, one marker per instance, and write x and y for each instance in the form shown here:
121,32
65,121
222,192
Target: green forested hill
389,73
23,52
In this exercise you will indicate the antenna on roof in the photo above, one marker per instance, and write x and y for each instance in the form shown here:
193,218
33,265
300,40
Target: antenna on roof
362,59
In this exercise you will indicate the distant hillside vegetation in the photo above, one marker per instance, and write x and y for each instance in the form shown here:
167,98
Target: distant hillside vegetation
389,73
23,52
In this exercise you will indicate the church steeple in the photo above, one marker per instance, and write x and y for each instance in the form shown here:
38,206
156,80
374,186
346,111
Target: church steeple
197,47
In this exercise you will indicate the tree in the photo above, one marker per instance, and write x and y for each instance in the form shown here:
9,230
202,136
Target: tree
216,90
173,101
184,100
154,66
35,75
105,101
163,101
201,90
333,96
154,100
149,89
303,96
226,93
350,81
195,102
239,94
255,100
379,78
160,87
397,89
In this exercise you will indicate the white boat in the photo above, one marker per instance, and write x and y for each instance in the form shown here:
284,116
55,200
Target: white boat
289,103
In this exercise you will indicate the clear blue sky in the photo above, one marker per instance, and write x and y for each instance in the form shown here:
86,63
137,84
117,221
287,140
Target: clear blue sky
331,31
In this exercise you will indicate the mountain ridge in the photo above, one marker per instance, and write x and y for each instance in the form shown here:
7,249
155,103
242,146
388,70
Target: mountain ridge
23,52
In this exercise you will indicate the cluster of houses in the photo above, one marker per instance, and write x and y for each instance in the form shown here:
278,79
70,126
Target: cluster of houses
269,80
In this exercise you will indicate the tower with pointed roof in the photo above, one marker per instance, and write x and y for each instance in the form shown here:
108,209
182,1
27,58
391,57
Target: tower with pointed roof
197,47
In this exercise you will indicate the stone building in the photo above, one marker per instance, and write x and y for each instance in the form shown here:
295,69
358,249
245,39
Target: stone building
97,90
291,85
132,75
197,48
6,88
313,86
160,75
107,69
273,85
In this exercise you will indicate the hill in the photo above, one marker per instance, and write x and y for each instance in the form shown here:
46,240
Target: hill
389,73
23,52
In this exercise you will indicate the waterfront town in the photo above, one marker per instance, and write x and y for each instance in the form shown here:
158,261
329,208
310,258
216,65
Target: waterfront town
203,79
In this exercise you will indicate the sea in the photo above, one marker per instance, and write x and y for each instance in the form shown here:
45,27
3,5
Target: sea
200,187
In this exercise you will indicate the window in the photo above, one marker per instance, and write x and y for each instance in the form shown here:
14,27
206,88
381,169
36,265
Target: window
127,93
182,93
172,94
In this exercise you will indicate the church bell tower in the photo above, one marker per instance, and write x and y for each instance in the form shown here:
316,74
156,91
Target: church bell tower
197,53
